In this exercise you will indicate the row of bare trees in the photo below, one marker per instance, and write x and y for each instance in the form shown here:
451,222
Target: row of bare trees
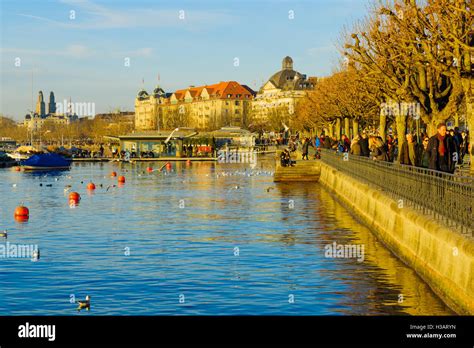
404,51
51,132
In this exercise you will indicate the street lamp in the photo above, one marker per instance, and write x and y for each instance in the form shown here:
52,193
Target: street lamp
171,134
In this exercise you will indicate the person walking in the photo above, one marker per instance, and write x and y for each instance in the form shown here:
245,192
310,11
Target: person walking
364,145
377,149
441,149
424,157
305,148
355,146
409,151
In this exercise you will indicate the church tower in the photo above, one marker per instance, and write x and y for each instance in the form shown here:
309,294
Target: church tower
40,106
51,104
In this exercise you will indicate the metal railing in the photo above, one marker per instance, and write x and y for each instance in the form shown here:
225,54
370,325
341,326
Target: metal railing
445,197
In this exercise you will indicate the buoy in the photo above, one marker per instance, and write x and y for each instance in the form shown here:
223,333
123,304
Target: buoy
188,162
149,169
75,197
21,218
168,165
17,169
121,179
22,212
113,174
91,186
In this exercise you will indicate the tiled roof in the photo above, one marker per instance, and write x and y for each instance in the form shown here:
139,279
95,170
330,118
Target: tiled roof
218,90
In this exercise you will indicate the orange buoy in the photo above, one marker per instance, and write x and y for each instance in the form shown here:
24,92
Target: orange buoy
22,212
21,218
113,174
74,196
17,169
149,169
188,162
91,186
168,165
121,179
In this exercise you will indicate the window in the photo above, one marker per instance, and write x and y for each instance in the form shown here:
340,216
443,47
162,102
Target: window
237,112
229,95
237,102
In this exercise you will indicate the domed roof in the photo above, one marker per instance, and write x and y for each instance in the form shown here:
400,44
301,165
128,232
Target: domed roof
142,94
27,117
287,78
158,91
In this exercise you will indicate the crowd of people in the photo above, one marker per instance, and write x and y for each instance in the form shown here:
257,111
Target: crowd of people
442,151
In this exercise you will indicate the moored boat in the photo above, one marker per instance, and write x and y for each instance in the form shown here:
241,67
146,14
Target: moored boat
46,161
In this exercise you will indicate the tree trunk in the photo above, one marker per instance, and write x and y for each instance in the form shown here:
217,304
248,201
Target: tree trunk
456,119
347,126
383,126
338,128
401,121
468,88
355,127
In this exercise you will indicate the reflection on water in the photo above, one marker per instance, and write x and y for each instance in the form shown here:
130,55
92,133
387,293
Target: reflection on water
224,237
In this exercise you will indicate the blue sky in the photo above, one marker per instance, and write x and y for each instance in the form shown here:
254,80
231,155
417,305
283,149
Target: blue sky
84,58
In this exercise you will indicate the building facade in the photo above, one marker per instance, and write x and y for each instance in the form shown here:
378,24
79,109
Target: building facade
35,121
208,107
278,97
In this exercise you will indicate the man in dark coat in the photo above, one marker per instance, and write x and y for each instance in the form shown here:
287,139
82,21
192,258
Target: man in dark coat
364,145
440,150
409,152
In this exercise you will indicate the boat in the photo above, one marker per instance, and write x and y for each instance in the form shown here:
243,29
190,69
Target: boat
46,161
6,161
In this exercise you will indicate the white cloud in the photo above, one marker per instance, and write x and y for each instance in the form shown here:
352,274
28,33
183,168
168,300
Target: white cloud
101,17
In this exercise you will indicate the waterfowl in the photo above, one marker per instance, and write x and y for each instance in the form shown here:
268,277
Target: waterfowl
4,234
84,304
35,255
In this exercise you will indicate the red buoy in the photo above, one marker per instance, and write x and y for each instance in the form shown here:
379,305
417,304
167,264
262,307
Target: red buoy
22,212
149,169
188,162
21,218
91,186
121,179
17,169
74,196
113,174
168,165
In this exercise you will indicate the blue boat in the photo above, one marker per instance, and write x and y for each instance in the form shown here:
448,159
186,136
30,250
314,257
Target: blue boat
46,161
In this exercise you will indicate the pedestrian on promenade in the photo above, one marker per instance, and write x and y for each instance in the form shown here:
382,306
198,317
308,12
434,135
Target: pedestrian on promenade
364,145
355,146
424,158
327,142
391,146
305,148
441,149
409,151
377,148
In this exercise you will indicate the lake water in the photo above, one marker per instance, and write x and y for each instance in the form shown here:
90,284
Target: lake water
206,239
